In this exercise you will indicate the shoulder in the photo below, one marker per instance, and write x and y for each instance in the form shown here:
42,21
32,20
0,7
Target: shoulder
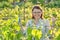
29,22
47,23
46,20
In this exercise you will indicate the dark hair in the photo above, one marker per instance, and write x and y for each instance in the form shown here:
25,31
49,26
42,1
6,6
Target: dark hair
37,7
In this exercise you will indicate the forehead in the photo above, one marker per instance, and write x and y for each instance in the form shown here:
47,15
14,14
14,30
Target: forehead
36,10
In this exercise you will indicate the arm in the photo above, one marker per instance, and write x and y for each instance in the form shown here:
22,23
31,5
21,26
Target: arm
52,27
26,27
47,28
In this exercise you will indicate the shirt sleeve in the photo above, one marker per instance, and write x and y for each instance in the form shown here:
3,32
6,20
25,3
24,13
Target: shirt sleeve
27,25
47,23
47,27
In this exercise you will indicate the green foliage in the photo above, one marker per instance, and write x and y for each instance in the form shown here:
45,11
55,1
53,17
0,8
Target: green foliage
5,4
9,28
58,38
29,37
3,0
53,4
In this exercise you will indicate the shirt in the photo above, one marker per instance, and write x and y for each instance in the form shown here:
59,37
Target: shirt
43,23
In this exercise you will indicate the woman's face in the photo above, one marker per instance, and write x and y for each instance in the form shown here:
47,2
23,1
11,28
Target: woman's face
36,13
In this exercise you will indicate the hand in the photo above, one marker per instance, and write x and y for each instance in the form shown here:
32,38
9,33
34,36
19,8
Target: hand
53,19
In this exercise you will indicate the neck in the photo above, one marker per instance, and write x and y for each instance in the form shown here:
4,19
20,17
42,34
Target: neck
36,21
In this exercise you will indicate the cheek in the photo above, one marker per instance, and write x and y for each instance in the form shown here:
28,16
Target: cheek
39,14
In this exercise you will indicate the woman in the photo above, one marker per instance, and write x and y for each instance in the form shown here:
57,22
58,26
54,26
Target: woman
38,21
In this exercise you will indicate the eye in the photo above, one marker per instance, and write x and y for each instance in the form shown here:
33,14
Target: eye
36,12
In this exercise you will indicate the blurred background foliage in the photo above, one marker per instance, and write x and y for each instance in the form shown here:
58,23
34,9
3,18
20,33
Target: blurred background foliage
46,3
13,13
